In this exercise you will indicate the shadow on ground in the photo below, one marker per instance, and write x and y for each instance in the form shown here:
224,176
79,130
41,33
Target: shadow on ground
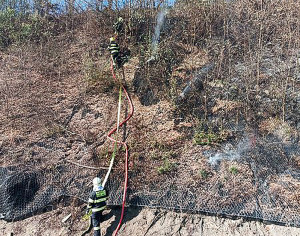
129,214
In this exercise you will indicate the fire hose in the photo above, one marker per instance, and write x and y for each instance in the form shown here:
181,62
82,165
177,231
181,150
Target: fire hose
115,142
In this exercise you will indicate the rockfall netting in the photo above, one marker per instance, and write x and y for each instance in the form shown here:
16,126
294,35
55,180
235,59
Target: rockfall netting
267,190
25,190
265,185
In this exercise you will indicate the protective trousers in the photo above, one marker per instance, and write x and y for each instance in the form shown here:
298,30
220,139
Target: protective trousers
96,220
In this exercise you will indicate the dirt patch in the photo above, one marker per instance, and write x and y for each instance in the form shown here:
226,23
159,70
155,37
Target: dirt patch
144,222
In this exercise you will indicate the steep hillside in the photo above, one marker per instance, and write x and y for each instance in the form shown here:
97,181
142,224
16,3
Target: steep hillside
216,125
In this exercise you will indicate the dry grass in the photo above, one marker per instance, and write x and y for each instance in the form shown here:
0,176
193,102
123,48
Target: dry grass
281,129
287,189
226,106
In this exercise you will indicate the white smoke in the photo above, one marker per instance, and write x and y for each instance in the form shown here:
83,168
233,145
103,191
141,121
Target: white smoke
155,38
230,153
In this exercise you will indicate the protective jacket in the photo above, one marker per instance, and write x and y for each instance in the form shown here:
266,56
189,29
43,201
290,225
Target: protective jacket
97,199
114,49
118,25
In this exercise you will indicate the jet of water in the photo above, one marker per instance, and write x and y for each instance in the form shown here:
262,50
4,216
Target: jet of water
155,39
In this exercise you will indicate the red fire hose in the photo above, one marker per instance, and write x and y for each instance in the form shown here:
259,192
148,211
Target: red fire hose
122,143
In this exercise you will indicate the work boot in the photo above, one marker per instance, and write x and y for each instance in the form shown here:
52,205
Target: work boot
97,233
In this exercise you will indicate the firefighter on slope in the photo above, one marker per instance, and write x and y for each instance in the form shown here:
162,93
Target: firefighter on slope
97,202
119,58
114,51
119,26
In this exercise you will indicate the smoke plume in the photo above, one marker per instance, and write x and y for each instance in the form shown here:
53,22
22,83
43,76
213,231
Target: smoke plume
230,153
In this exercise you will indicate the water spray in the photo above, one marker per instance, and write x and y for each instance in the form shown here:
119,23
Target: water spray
155,39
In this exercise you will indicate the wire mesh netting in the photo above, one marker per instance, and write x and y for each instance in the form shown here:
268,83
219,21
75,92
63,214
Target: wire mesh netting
26,190
268,192
268,188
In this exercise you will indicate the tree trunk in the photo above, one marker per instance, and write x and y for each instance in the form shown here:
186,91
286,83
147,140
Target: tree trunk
99,5
70,7
39,7
110,4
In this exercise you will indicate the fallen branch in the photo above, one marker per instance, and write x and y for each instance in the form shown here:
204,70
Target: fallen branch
89,167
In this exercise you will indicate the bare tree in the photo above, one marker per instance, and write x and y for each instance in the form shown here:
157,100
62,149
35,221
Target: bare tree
110,4
42,7
99,4
70,6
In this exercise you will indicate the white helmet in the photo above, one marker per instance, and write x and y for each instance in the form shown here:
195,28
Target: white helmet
96,182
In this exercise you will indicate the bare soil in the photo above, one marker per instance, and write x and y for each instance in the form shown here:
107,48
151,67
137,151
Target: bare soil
144,222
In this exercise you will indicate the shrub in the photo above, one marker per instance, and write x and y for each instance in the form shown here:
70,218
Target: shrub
166,167
209,138
203,173
18,28
233,170
98,79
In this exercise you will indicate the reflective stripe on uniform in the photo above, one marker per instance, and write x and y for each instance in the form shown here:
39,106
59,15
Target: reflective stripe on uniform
91,200
98,209
100,200
96,228
114,50
113,46
111,49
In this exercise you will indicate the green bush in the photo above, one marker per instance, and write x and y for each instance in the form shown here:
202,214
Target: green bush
233,170
203,173
209,137
166,167
98,79
7,26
